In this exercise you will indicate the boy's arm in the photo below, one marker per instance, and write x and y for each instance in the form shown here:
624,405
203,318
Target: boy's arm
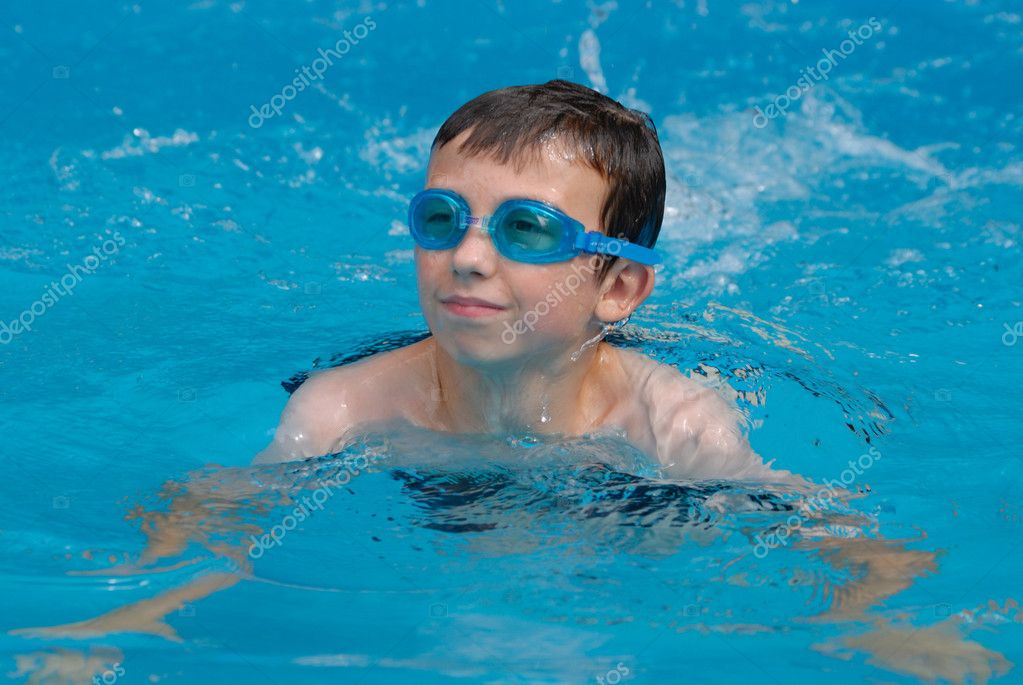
314,421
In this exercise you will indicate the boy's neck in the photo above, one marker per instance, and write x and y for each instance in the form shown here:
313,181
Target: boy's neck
544,395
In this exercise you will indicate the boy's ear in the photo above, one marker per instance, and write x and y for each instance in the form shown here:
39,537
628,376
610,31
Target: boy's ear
624,288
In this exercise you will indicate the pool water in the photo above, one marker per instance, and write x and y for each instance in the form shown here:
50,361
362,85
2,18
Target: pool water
844,263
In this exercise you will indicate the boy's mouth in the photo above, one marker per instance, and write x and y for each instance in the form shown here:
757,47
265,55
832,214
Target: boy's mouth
470,306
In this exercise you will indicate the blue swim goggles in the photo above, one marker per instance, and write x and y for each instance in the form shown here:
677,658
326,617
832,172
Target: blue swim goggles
522,230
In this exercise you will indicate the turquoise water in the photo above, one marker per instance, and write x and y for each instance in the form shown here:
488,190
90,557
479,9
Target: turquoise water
850,266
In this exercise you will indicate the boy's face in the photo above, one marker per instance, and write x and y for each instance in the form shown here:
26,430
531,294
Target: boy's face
544,308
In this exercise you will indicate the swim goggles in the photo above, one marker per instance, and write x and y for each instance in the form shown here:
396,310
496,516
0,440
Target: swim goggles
522,230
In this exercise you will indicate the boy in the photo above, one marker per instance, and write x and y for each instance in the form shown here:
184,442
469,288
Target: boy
516,288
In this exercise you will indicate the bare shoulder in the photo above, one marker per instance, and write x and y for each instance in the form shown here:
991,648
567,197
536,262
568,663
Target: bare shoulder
659,386
693,429
322,413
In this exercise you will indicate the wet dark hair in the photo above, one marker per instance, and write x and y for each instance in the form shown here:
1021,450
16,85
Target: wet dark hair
511,125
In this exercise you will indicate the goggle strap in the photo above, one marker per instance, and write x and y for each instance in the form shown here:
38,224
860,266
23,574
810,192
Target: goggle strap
638,253
597,243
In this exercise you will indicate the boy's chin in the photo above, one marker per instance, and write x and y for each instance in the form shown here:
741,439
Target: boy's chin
477,349
492,351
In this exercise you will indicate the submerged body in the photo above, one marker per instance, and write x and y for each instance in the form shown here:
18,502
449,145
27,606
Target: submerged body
684,425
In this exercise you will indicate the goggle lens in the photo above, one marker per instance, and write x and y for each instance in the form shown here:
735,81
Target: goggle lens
529,232
435,221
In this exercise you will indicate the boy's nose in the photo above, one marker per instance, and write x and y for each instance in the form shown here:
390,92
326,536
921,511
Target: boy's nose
475,252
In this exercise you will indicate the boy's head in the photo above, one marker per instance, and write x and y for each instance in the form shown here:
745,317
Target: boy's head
570,148
513,124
